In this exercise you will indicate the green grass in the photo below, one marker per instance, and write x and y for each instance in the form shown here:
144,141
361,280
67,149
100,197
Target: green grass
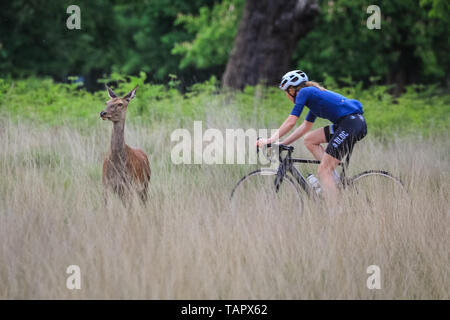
422,110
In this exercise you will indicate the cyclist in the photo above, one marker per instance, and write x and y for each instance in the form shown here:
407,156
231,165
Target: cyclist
348,124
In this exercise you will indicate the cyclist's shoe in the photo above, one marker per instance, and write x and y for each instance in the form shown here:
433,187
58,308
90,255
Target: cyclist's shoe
336,177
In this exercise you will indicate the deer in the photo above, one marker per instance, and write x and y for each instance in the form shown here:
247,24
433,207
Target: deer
125,169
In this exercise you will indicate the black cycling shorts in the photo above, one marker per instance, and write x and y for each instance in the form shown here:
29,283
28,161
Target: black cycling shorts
343,135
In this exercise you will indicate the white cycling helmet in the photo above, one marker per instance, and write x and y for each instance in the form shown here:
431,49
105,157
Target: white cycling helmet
293,78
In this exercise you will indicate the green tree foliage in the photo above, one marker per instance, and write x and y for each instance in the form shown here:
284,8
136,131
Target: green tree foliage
35,39
411,46
122,36
193,39
439,8
148,31
214,30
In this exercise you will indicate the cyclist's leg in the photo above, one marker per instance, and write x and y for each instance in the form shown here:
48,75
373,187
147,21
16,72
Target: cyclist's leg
313,140
326,168
351,129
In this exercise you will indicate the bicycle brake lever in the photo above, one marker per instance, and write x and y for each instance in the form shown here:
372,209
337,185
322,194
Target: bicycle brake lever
268,145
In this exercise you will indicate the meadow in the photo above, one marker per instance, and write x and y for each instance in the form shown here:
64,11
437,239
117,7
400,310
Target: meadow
186,244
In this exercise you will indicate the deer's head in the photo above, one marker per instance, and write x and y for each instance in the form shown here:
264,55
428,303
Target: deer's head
116,107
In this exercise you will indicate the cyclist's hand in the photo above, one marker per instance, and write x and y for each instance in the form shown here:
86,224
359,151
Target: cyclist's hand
262,142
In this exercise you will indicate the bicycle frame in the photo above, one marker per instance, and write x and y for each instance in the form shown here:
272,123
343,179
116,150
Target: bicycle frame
287,165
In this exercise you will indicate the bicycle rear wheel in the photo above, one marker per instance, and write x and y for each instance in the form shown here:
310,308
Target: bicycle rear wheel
256,191
379,187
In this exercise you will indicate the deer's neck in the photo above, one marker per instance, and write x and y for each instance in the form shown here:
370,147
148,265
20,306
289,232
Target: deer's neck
118,140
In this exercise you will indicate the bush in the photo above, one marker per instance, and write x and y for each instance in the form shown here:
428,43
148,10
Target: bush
420,110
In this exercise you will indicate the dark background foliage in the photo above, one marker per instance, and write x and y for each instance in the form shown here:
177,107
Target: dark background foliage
193,40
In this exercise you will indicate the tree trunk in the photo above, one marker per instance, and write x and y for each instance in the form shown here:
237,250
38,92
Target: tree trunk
267,36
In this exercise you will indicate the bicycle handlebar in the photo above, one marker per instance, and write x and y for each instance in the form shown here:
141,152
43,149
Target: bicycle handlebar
284,147
280,146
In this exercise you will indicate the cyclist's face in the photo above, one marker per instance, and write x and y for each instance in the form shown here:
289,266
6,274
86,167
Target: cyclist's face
290,94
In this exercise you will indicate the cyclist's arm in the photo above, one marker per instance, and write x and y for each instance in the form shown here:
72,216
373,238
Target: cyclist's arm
287,125
291,120
298,133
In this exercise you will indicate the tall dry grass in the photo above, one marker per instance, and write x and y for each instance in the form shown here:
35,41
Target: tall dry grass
186,245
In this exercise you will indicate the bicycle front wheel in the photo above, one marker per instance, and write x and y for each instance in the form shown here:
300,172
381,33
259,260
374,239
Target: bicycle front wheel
379,187
256,191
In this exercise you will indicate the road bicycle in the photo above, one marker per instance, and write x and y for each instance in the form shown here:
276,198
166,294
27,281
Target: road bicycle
287,183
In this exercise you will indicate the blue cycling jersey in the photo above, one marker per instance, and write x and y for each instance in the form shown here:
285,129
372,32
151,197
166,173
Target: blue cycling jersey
324,104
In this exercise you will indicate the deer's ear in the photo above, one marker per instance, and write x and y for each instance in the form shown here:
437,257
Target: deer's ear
111,93
130,95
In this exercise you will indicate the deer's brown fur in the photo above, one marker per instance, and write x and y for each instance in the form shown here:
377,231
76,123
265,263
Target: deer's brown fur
125,169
